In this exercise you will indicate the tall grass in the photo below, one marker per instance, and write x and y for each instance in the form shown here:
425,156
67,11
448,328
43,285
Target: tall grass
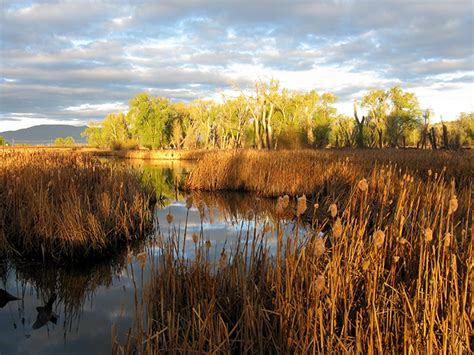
275,173
69,206
388,267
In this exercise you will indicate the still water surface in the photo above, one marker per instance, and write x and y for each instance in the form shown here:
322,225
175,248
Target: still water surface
71,311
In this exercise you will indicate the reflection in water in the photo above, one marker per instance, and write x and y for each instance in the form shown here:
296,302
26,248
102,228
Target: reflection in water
45,313
5,297
65,310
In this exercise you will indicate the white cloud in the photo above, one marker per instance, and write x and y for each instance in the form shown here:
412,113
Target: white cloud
80,59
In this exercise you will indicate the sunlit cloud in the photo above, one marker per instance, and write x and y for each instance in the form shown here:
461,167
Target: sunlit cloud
78,60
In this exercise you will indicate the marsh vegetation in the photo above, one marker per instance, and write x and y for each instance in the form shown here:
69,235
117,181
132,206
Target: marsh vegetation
386,266
323,251
68,206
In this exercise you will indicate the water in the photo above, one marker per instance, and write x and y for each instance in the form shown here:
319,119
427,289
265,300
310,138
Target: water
71,311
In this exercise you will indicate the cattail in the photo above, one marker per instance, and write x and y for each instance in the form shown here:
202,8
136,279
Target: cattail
430,172
320,283
428,235
301,205
366,265
169,218
403,241
363,185
141,259
319,247
337,228
195,238
189,202
316,206
279,206
266,228
333,210
447,240
286,201
202,212
223,259
379,238
208,244
453,205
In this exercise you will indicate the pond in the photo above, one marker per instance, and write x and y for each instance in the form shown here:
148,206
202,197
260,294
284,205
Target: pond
47,309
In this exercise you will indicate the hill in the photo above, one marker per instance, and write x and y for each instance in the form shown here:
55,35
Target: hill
43,134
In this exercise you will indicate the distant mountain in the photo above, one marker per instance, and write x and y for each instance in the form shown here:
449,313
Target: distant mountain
43,134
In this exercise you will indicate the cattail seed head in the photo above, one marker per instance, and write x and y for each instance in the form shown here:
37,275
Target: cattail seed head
428,235
363,185
286,201
208,244
301,205
320,283
141,259
333,210
266,228
453,205
169,218
223,259
379,238
403,241
189,202
195,238
319,247
366,265
430,172
447,240
279,206
316,206
337,228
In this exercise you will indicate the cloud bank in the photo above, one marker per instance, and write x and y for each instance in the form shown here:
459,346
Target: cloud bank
77,60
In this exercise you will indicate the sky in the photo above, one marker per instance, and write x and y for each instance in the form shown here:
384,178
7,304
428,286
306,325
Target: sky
75,61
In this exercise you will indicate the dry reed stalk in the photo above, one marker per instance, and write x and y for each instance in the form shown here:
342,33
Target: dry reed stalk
384,280
69,206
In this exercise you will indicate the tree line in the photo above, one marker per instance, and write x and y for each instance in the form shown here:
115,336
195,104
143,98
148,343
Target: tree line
274,117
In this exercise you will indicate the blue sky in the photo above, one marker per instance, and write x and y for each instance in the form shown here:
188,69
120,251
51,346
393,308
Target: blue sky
75,61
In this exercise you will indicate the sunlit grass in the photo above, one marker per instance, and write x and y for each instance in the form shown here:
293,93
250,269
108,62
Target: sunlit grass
387,265
69,206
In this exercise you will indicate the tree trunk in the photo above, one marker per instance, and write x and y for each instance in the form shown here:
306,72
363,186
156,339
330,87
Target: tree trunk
432,137
360,129
380,132
269,128
445,137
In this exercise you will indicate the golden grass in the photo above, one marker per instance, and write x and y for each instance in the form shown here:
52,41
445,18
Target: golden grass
275,173
393,272
69,206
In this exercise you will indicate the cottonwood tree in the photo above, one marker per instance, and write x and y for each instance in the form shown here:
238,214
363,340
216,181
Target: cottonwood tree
375,101
151,120
404,115
262,108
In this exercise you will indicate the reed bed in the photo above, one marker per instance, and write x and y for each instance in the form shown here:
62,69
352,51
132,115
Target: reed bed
68,206
387,267
275,173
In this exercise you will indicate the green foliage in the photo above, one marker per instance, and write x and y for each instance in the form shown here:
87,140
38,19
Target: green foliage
2,141
464,127
95,135
64,142
151,119
271,118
